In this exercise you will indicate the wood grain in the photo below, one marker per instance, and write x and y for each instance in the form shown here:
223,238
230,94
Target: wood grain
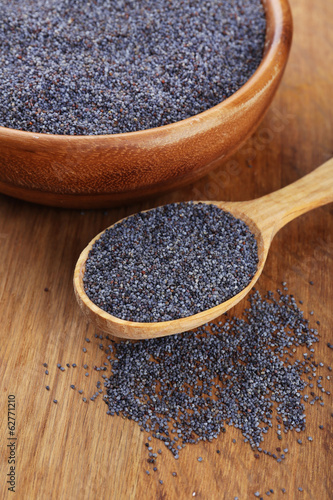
108,170
73,449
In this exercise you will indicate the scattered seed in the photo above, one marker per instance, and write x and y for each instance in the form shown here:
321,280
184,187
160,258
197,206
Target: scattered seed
242,351
194,359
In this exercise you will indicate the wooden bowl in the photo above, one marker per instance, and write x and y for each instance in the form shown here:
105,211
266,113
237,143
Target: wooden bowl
109,170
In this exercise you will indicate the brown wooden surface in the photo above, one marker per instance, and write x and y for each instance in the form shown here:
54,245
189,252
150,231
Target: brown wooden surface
74,450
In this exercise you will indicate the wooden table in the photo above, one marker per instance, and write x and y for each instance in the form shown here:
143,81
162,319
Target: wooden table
72,449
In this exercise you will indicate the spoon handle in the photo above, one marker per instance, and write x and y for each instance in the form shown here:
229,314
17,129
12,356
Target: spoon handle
273,211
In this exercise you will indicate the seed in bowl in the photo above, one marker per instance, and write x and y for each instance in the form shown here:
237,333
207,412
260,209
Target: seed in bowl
113,66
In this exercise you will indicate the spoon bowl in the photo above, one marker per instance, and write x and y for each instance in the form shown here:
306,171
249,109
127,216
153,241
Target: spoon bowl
264,216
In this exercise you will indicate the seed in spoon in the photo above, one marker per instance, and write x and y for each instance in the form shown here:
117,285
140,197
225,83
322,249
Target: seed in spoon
170,262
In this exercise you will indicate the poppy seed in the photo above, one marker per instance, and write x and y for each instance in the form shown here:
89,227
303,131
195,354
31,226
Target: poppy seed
113,67
170,262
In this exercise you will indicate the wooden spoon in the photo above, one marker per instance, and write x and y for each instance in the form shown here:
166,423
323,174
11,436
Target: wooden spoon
265,216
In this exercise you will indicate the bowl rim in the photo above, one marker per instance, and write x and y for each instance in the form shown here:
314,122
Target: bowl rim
278,18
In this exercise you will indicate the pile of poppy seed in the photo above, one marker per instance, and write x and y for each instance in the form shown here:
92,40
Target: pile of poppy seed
113,66
170,262
242,372
256,373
